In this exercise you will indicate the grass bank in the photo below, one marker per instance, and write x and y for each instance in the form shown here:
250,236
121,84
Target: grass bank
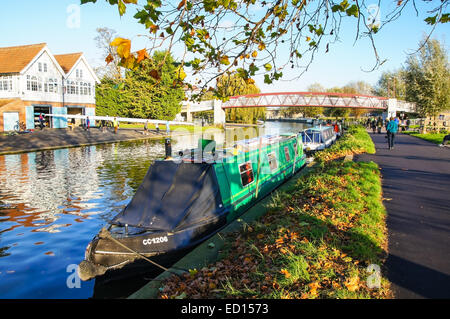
325,237
355,141
435,138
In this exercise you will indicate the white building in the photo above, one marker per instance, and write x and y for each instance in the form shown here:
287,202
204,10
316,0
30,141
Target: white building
34,81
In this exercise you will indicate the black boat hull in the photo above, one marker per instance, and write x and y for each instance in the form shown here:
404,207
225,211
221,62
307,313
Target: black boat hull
108,253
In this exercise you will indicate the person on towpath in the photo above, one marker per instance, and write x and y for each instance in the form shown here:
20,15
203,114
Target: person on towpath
116,125
392,129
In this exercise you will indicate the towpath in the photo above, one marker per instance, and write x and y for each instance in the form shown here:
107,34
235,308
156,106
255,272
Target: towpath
416,191
61,138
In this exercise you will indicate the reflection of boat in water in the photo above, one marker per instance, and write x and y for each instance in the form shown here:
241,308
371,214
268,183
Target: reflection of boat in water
318,138
183,201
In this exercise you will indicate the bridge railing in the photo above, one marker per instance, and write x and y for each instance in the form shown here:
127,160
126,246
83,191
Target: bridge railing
314,99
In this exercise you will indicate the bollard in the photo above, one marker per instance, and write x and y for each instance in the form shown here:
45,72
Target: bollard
168,147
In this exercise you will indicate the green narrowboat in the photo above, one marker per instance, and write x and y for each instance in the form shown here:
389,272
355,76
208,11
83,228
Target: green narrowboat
186,199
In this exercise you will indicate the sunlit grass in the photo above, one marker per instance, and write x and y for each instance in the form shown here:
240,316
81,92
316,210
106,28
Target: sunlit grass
435,138
317,240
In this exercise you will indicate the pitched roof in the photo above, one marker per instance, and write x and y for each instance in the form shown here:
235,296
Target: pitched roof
67,61
15,59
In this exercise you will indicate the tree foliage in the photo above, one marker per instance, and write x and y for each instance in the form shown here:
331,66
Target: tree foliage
427,78
252,37
392,84
103,41
233,85
140,94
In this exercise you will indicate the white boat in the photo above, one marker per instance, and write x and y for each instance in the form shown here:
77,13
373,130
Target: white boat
318,138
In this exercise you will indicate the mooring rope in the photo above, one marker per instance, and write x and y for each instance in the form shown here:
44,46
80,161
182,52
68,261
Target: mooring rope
105,234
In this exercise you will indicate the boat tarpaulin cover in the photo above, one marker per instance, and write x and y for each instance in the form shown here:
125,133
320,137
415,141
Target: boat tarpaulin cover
174,196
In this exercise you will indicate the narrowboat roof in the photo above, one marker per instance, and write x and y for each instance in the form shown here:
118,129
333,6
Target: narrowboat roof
319,128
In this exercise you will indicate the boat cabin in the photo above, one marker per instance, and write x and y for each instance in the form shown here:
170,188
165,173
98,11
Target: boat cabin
318,138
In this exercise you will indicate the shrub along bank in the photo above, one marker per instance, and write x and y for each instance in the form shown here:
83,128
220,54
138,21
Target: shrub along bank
323,238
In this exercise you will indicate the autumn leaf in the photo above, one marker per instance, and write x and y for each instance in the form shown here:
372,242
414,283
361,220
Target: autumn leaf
352,284
181,4
129,62
224,60
142,55
109,59
155,74
153,28
285,272
123,47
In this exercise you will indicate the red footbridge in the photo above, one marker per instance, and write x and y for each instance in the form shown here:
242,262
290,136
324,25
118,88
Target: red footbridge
298,99
311,99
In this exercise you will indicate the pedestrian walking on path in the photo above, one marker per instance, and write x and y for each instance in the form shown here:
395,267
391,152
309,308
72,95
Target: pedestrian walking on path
391,128
116,125
41,121
167,128
379,124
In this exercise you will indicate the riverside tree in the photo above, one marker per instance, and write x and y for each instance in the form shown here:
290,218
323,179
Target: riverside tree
427,78
253,37
142,94
232,85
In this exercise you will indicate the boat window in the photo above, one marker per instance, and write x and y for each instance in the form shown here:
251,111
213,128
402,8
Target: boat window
273,164
246,172
286,154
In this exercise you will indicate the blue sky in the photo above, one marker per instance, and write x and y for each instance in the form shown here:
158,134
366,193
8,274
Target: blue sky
31,21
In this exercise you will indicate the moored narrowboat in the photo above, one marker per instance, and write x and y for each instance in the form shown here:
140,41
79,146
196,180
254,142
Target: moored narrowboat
186,199
318,138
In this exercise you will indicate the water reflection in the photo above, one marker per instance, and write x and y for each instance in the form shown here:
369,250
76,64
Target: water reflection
53,202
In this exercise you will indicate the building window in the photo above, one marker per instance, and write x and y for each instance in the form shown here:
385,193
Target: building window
6,83
34,83
89,88
50,85
40,67
246,171
45,67
81,73
40,84
72,87
78,73
55,86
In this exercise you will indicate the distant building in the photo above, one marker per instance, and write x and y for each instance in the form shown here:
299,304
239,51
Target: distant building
34,81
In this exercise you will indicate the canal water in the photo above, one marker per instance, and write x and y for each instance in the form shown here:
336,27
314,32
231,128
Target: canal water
52,203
